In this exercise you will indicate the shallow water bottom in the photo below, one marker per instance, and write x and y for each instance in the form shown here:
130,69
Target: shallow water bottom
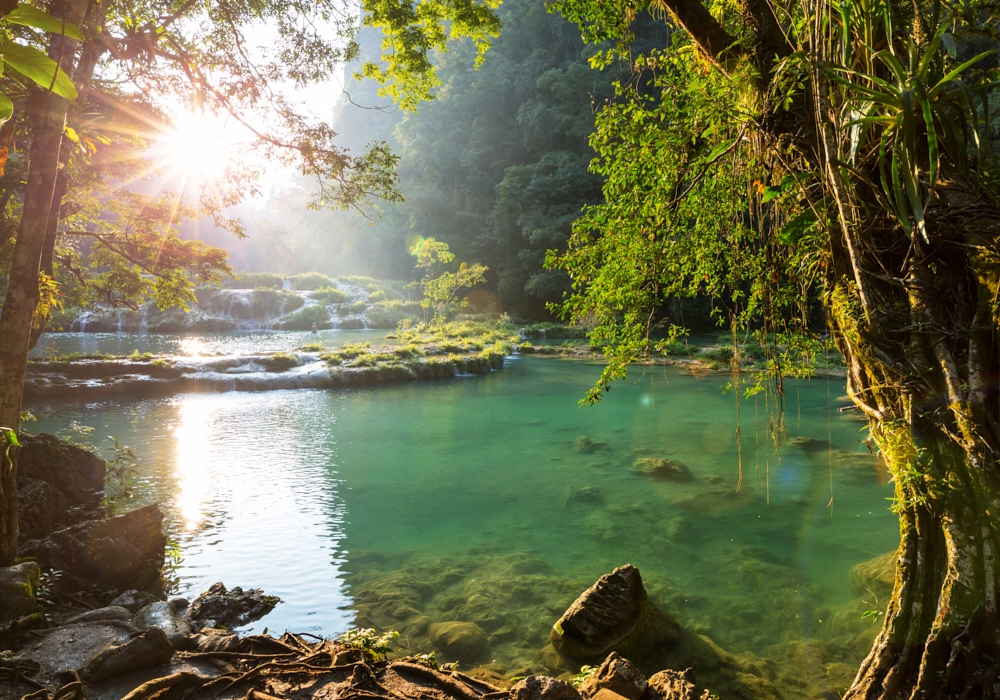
497,500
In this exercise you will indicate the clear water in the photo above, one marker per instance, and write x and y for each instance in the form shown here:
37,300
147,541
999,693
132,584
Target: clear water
222,343
480,487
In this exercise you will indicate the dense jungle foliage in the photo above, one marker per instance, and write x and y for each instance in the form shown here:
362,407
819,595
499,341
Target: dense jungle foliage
496,165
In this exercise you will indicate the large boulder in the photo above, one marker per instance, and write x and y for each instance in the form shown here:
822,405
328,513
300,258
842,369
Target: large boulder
617,675
876,575
615,614
76,472
464,641
164,615
146,650
133,600
18,585
58,484
543,688
99,555
218,607
41,508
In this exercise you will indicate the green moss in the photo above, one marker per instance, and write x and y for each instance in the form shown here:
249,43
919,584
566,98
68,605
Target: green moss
280,362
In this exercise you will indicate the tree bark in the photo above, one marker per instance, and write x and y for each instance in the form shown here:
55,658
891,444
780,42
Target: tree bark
48,112
922,357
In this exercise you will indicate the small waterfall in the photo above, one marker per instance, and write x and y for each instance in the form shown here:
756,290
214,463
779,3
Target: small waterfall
286,284
144,322
118,313
83,322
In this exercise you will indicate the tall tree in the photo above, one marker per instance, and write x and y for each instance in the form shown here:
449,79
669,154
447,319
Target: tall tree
837,147
196,52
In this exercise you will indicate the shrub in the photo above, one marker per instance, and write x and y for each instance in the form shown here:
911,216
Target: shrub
720,353
388,314
62,319
356,307
304,318
253,280
307,281
553,330
680,347
271,303
330,295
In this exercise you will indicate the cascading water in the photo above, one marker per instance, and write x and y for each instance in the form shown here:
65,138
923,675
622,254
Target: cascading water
118,313
144,321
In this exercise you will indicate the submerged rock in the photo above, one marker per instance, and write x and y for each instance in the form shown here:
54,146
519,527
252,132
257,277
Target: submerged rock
18,585
615,614
543,688
666,469
218,607
115,553
617,675
877,575
585,446
464,641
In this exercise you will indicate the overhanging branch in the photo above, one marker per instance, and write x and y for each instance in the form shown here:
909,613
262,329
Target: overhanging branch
718,45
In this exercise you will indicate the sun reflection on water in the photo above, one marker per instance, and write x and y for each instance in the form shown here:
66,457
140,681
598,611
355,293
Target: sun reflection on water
193,437
193,347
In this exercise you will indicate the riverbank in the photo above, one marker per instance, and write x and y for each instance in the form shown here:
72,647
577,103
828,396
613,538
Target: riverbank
312,366
425,351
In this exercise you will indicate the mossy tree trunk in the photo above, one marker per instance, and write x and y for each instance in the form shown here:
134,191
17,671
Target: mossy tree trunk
923,364
48,114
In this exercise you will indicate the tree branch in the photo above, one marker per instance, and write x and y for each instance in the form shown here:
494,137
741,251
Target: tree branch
718,45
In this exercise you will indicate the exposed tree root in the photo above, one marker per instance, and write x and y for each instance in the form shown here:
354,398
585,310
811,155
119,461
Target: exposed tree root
292,668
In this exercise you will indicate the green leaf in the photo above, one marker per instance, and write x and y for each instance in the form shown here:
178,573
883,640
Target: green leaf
955,72
12,438
33,17
6,108
797,227
35,65
720,149
949,43
772,191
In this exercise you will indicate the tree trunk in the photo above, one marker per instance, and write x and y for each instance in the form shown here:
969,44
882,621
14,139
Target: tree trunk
924,370
48,112
941,637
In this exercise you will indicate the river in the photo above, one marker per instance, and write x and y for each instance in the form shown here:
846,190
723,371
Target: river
463,490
